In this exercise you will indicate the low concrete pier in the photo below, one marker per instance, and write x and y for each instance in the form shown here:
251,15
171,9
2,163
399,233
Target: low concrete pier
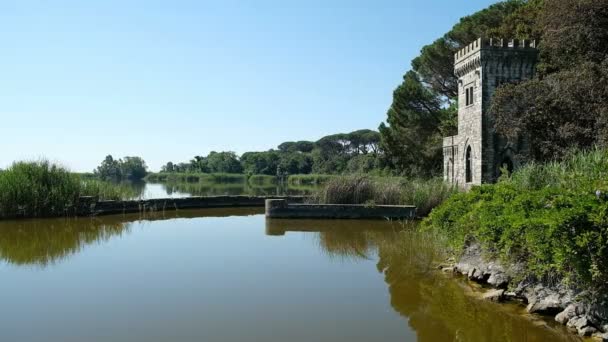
91,206
281,208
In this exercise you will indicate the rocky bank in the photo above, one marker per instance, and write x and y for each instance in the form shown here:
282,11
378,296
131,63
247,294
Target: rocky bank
582,312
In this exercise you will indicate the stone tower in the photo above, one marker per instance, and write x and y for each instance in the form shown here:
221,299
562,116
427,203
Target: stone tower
477,153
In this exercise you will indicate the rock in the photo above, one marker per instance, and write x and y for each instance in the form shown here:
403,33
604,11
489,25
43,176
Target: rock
586,331
494,295
601,336
573,310
450,269
582,325
498,279
549,305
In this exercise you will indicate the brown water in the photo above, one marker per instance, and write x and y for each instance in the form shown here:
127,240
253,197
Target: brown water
231,275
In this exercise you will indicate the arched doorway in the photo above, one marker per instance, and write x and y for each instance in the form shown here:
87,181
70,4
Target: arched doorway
469,165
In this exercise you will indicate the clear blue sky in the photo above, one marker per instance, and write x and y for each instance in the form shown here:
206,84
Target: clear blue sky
167,80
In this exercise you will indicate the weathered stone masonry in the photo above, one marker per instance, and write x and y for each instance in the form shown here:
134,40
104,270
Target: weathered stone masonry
477,153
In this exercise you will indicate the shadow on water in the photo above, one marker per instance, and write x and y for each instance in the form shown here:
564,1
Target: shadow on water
435,306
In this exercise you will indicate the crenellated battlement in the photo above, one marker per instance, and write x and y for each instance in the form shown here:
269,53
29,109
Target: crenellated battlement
470,57
482,43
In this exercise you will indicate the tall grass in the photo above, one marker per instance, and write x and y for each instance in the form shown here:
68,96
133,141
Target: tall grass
309,179
424,194
43,189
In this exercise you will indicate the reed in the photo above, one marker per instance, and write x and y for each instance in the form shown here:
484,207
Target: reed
360,189
41,188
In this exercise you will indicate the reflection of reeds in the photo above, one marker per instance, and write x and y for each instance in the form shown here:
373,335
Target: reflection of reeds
43,242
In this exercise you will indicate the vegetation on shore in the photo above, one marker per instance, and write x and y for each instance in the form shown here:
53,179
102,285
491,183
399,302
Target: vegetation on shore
424,194
550,218
196,177
41,188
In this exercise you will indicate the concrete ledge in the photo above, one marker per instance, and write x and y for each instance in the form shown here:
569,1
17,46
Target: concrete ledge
89,206
280,208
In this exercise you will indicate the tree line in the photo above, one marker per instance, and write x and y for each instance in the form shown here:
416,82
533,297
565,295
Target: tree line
564,106
355,152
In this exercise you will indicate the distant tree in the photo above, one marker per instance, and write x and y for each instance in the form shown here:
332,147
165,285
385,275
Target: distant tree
167,167
109,169
223,162
133,168
264,163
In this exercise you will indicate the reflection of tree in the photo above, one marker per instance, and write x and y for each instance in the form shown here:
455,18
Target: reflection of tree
438,308
237,188
45,241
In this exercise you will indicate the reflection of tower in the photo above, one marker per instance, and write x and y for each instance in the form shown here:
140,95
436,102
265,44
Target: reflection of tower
477,153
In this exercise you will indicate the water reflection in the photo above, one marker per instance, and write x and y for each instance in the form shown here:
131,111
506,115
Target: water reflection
184,271
184,189
47,241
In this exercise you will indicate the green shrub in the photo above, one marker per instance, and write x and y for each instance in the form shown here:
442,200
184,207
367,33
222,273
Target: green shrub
41,189
545,217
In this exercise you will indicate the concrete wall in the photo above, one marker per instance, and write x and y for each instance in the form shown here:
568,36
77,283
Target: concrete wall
89,206
279,208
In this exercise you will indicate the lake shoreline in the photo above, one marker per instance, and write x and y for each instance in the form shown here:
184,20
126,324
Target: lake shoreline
581,312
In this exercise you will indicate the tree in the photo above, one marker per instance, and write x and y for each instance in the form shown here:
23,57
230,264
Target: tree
133,168
109,169
223,162
565,110
424,105
573,32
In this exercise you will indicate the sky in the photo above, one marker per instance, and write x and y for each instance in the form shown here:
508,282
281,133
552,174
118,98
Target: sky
168,80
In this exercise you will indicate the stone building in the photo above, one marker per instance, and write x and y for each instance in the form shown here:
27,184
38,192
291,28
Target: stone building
477,154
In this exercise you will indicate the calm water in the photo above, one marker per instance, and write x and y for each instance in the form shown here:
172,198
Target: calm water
231,275
184,189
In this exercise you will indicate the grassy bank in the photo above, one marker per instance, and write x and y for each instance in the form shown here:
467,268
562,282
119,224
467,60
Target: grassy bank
424,194
44,189
552,219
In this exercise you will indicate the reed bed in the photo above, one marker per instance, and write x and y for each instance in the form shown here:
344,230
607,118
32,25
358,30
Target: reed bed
41,188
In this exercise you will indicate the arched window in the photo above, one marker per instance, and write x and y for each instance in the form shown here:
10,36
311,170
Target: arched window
469,166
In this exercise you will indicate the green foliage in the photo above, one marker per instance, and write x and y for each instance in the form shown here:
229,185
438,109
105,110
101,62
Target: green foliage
546,217
357,189
424,109
43,189
129,168
329,155
563,110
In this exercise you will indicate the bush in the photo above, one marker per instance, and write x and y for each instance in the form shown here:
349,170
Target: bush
546,217
42,189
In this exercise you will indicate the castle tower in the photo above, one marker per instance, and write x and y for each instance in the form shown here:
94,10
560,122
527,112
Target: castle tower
477,153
